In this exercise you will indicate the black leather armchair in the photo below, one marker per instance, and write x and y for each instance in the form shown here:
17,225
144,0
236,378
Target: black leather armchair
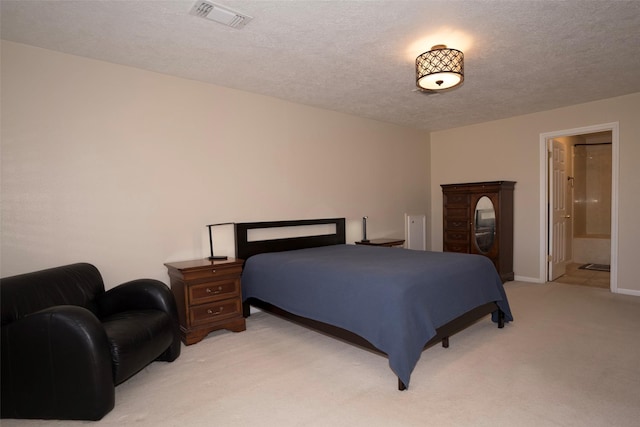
66,343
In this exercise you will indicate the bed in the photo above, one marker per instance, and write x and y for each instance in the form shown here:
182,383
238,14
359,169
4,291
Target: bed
393,301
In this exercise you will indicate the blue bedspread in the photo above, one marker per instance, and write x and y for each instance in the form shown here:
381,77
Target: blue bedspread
394,298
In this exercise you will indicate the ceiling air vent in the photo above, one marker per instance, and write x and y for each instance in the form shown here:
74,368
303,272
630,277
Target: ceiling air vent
220,14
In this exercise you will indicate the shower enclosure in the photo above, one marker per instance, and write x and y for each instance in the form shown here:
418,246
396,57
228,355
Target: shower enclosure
592,203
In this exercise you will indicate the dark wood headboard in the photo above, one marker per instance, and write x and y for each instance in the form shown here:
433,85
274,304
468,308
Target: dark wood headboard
246,248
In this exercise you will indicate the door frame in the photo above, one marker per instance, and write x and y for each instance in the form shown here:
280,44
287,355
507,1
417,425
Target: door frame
613,127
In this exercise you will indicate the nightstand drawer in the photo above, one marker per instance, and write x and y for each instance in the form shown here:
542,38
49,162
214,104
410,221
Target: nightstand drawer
213,291
213,272
205,314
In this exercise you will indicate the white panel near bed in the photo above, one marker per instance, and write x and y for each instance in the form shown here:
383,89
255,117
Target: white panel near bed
415,229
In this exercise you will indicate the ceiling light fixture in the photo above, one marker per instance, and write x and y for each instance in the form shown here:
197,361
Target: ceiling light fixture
439,69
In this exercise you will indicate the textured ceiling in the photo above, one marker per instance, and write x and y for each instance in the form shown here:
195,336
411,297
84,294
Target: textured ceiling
358,57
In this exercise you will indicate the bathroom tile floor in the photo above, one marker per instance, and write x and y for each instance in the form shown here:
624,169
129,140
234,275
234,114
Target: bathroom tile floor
575,276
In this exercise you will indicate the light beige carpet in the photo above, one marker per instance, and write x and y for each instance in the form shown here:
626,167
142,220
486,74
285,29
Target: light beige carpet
571,358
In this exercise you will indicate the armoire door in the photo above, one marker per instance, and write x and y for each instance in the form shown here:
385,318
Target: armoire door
484,230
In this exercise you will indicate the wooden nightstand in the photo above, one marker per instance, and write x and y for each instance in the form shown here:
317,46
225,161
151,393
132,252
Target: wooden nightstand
382,242
208,295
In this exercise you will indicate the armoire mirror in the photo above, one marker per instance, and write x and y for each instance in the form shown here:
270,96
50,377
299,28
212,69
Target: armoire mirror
484,224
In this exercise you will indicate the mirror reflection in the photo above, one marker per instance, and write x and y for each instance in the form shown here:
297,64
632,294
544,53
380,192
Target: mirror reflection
485,224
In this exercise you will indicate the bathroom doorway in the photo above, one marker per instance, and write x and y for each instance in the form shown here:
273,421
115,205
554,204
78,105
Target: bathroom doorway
581,206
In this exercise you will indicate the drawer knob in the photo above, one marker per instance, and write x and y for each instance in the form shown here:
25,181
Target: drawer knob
214,291
209,311
213,271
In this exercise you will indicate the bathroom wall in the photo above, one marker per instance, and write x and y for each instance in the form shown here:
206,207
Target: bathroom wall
592,199
592,191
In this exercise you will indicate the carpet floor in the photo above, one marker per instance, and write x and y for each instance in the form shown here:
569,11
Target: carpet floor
570,358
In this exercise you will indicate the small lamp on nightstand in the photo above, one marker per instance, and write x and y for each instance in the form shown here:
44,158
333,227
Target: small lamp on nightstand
364,230
212,257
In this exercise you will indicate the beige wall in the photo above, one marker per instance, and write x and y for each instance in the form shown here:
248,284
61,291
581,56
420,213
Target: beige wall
509,149
124,168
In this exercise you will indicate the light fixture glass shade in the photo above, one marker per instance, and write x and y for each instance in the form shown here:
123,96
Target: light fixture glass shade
439,69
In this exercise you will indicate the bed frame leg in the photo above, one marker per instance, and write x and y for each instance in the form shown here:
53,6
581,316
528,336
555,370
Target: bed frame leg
445,342
246,309
401,385
500,319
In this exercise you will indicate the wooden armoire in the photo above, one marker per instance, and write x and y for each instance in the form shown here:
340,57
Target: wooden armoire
478,219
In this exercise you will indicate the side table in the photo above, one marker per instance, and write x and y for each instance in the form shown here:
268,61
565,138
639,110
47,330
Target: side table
382,242
208,295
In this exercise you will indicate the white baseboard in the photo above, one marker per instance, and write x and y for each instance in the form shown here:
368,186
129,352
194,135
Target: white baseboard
528,279
633,292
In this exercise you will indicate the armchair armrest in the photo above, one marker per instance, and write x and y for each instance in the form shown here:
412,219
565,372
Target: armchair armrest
56,363
143,294
140,294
